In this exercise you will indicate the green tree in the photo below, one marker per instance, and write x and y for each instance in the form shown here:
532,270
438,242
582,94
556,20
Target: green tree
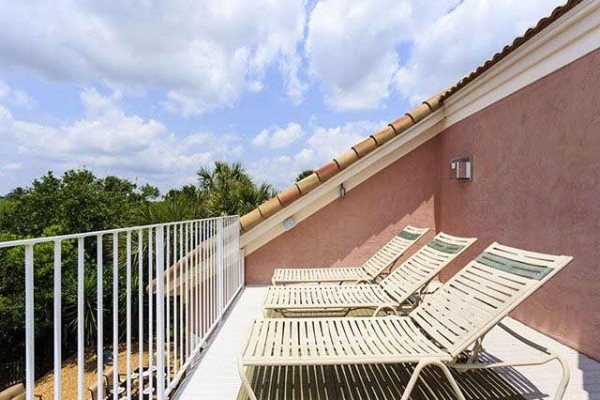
12,290
149,192
228,190
76,202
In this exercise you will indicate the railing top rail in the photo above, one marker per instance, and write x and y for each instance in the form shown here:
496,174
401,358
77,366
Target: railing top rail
49,239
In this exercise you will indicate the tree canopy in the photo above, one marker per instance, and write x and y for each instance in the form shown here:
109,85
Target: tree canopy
78,201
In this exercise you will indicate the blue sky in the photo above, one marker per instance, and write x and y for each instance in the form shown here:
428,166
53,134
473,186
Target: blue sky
152,90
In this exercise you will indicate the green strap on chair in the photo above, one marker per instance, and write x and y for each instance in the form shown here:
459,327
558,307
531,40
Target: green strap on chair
444,247
408,235
514,267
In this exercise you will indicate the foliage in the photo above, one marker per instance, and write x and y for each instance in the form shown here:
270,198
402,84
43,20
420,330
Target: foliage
229,190
78,201
12,288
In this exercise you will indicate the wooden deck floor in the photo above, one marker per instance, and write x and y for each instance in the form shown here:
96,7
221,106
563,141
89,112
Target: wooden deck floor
216,377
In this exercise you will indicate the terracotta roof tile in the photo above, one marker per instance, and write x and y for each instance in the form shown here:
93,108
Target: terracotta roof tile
250,220
289,195
309,183
365,147
401,124
384,135
393,129
346,158
519,41
419,112
270,207
434,102
327,171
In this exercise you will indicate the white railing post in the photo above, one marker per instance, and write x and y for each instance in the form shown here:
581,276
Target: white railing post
160,320
80,318
29,327
140,310
242,265
207,273
168,292
57,320
128,315
220,290
100,316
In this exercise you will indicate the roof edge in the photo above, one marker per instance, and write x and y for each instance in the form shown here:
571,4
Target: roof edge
341,162
390,131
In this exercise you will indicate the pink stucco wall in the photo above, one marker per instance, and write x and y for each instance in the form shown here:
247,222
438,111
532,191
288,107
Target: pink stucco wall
536,159
348,231
536,185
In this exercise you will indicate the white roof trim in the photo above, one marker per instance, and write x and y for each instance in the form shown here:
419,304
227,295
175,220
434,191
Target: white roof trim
571,37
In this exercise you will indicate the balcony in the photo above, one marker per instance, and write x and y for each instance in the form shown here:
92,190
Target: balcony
133,339
180,337
216,375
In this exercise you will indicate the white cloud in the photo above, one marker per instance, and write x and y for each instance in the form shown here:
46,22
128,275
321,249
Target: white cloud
6,120
111,141
17,97
352,46
205,54
458,42
94,102
11,166
278,138
330,142
4,89
361,51
323,144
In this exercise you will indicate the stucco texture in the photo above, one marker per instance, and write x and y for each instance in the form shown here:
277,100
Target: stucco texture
349,230
536,168
536,185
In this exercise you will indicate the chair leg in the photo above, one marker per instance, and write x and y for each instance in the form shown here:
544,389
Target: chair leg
382,308
245,382
417,372
562,385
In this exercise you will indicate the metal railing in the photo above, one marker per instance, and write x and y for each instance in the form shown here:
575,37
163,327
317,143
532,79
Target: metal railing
166,287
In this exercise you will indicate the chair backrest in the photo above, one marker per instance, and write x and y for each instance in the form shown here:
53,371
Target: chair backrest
12,392
418,270
393,250
483,293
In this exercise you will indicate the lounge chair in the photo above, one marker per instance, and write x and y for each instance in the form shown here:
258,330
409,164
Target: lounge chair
371,269
391,293
439,332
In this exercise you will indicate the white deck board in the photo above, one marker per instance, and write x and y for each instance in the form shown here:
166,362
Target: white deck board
216,376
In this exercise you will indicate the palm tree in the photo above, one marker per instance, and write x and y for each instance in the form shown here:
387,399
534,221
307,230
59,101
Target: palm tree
229,189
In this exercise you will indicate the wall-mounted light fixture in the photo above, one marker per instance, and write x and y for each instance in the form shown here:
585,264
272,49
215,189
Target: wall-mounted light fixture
288,223
461,169
342,191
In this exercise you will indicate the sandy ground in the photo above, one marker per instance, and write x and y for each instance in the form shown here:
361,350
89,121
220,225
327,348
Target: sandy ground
45,385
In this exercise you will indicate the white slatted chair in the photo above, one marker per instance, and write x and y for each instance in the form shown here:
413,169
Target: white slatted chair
391,293
438,332
371,269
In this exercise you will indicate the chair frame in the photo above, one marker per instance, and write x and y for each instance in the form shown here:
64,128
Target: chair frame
374,267
406,283
439,332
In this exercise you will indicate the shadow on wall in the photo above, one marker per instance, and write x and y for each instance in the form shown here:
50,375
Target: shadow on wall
349,230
